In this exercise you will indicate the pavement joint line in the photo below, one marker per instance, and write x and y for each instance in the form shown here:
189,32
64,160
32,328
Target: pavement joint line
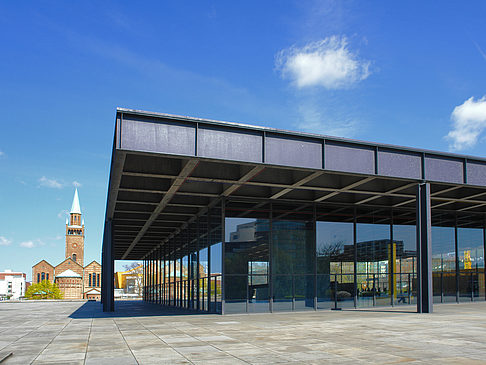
52,339
125,340
148,329
87,343
214,346
28,333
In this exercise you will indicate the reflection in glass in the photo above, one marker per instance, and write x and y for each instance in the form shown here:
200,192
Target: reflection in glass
335,263
443,264
246,260
376,253
406,265
471,263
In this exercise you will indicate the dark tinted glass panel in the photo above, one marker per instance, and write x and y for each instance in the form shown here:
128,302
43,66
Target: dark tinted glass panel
283,292
246,260
304,292
376,253
292,247
335,263
471,263
444,264
405,278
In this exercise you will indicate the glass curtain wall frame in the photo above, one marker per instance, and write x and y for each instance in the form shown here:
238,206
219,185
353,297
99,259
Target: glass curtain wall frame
375,252
335,257
246,257
293,257
344,253
186,270
458,246
444,258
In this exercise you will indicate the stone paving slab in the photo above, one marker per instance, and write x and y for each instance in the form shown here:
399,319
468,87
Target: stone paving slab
142,333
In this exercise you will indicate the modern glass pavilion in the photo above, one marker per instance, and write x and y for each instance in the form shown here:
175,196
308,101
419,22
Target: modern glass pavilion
232,218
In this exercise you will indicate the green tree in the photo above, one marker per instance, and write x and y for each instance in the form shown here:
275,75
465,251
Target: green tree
43,290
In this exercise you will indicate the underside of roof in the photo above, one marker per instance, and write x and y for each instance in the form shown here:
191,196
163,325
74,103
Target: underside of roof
167,170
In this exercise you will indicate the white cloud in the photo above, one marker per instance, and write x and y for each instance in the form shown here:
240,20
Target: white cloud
50,183
32,243
4,241
2,153
76,184
468,122
327,63
27,244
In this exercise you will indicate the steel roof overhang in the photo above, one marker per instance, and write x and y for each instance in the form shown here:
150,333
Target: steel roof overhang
166,170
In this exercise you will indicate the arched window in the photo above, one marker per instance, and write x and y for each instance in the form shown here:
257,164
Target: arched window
47,276
98,280
94,279
43,276
38,277
74,257
89,280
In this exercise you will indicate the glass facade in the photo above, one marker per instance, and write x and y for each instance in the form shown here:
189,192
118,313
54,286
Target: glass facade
243,256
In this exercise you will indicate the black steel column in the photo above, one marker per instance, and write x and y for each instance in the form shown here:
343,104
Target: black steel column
314,227
392,261
355,266
198,276
424,250
208,227
108,269
164,281
270,261
456,249
102,279
223,238
484,253
161,281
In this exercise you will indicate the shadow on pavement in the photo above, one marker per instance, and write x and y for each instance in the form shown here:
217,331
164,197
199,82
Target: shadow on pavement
129,308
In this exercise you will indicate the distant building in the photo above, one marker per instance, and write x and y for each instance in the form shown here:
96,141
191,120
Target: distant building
75,280
130,281
12,284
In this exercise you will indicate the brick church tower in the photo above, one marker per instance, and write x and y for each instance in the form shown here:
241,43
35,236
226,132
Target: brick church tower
75,233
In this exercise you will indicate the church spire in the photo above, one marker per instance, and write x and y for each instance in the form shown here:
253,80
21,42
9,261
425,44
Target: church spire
75,209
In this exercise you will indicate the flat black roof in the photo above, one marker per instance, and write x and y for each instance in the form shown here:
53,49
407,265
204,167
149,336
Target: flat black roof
166,170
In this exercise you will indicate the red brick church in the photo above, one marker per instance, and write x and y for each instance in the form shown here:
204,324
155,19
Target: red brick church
75,280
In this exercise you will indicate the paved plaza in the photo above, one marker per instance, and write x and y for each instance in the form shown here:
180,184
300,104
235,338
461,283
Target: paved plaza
142,333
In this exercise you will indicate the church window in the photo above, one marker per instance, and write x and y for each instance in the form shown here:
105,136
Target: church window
94,279
98,279
89,280
43,276
74,257
38,277
47,276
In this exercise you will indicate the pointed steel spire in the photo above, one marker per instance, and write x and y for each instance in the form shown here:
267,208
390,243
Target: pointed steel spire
75,207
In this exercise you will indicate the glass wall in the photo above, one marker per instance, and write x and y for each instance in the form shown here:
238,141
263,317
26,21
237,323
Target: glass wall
335,264
246,262
375,257
279,256
293,256
444,264
405,264
471,263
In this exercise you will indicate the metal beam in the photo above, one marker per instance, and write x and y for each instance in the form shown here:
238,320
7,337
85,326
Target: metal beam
297,184
176,184
386,193
116,173
244,179
346,188
431,195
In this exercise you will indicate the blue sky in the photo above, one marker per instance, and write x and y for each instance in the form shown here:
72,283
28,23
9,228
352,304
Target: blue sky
407,73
